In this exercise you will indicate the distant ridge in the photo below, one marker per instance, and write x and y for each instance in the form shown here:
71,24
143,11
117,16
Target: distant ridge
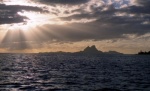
144,53
113,52
87,51
94,51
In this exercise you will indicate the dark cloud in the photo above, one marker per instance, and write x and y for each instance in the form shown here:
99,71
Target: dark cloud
143,2
66,2
142,7
9,13
12,19
20,8
137,10
96,30
107,24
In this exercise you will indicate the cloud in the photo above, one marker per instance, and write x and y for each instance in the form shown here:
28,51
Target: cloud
133,19
95,20
110,23
20,8
9,13
66,2
143,2
107,22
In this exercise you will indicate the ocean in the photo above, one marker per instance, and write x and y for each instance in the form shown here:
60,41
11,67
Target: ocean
58,72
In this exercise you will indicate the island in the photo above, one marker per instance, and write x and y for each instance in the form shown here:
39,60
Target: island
144,53
89,50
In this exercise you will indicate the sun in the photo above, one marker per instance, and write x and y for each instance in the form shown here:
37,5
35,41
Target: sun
32,17
35,18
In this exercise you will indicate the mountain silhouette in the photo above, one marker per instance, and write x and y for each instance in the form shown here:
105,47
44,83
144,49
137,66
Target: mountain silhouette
144,53
91,50
87,51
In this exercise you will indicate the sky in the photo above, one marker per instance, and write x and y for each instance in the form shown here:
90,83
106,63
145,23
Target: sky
71,25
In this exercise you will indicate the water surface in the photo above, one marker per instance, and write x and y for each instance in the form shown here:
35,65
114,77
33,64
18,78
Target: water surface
36,72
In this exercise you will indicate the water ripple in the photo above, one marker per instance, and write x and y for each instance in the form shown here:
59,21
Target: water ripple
34,72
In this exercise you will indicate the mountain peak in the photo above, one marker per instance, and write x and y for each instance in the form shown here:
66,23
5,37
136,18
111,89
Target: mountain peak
91,49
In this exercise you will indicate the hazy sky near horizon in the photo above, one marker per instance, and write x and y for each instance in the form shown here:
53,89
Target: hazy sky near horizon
71,25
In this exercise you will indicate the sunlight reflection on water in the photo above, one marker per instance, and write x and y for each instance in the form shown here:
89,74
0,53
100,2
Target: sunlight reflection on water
34,72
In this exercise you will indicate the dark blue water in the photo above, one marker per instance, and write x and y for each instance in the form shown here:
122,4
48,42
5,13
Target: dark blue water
34,72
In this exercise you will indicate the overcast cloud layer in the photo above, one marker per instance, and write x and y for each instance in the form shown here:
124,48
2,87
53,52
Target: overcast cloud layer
65,2
82,19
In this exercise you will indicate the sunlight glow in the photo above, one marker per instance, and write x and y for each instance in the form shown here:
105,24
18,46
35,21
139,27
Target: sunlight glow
20,26
17,2
34,18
